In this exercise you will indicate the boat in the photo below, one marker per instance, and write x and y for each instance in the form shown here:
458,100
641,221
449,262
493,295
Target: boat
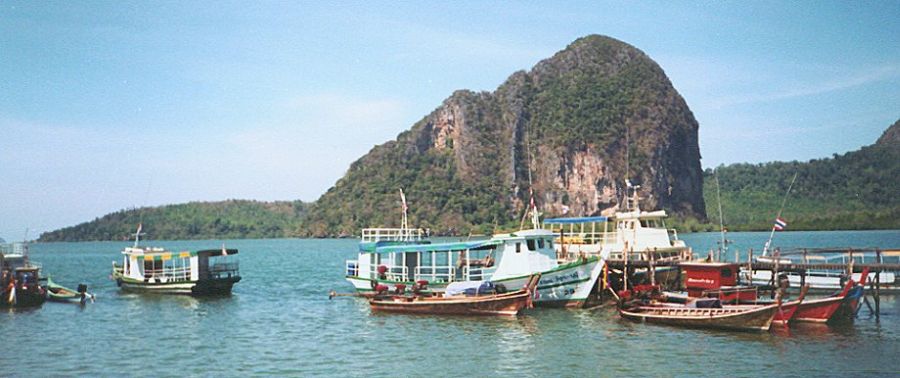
160,271
59,293
19,278
399,258
502,304
822,310
633,234
729,317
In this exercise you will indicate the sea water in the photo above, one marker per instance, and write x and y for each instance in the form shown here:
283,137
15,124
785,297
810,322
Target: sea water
279,321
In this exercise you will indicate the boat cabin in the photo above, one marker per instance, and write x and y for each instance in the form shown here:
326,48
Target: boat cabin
704,279
157,265
643,235
504,255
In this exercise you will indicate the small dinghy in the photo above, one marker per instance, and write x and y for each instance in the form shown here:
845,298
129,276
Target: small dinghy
59,293
508,304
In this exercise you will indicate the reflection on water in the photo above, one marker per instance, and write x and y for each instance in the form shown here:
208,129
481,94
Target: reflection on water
280,322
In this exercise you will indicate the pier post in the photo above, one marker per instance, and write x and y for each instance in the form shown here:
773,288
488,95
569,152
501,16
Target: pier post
878,286
802,277
750,264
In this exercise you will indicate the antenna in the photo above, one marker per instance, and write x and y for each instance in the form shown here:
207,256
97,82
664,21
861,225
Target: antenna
532,207
783,201
404,225
723,249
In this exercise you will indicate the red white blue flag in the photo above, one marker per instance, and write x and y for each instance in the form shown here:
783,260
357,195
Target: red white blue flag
780,224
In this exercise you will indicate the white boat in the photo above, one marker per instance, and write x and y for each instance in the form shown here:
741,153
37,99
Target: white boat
641,235
505,259
160,271
830,280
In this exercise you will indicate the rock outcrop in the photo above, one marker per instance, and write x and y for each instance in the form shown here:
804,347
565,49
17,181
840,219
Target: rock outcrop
571,129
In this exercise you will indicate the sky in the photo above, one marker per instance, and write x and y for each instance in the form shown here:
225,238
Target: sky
112,105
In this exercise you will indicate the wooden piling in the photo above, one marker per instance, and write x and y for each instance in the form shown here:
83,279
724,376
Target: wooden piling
878,286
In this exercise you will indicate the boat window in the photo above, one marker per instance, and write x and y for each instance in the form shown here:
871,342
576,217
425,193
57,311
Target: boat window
530,243
726,272
541,243
518,247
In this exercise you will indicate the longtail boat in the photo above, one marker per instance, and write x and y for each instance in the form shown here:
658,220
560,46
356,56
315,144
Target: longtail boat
737,317
59,293
823,309
788,309
506,304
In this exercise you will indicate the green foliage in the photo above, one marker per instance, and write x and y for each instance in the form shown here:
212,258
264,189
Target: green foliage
230,219
857,190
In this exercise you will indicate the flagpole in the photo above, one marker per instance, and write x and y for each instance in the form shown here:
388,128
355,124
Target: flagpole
777,217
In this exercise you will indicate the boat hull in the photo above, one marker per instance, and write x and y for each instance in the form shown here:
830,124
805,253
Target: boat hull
569,285
219,286
737,318
509,304
23,299
786,313
817,310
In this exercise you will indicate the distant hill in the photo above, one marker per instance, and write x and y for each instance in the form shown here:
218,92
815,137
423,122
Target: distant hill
561,129
230,219
856,190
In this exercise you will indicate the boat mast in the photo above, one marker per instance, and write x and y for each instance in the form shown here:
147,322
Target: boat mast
404,224
783,201
723,249
535,220
137,234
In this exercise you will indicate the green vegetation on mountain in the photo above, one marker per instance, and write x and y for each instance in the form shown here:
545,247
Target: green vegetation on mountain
230,219
559,129
856,190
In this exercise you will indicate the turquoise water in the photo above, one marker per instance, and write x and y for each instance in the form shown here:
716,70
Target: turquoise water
279,321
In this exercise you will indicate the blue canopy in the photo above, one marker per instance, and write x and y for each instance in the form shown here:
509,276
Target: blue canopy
458,246
575,220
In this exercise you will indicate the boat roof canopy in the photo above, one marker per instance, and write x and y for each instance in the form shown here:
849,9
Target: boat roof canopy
166,255
437,247
575,220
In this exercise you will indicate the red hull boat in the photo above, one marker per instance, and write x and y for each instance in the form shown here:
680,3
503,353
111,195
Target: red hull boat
821,310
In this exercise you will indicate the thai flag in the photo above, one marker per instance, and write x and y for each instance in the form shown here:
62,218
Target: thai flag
780,224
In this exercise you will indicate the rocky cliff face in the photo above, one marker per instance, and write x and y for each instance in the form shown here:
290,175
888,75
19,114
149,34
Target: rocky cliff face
566,124
891,136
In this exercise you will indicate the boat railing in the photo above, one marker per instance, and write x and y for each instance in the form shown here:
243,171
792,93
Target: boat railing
647,255
224,270
168,274
392,272
391,234
435,273
471,273
587,238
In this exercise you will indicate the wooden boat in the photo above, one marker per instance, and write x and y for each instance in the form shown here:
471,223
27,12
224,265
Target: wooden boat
737,317
823,309
59,293
506,304
789,308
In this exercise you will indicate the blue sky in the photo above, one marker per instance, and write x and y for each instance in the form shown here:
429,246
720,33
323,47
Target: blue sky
110,105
